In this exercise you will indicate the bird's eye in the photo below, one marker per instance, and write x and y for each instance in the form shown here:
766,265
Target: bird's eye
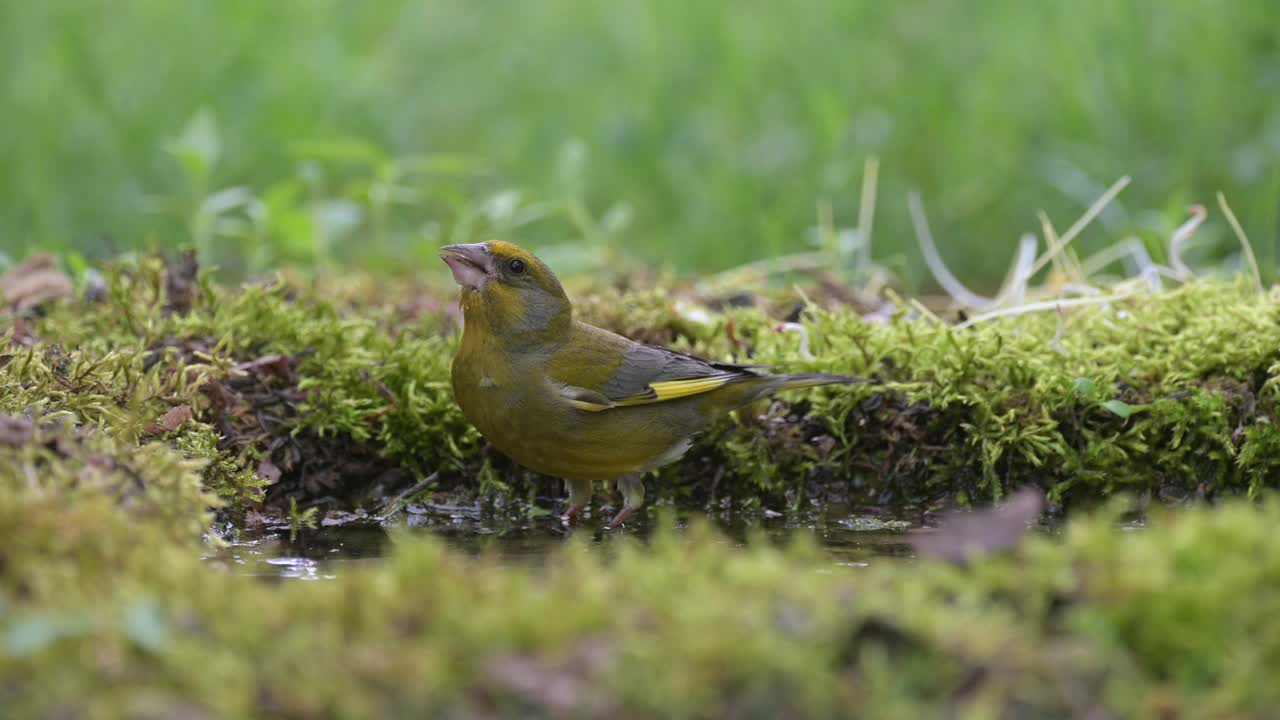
516,266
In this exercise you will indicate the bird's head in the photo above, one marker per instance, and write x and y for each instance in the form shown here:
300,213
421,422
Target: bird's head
508,291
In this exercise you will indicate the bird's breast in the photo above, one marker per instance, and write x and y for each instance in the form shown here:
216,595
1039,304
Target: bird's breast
526,416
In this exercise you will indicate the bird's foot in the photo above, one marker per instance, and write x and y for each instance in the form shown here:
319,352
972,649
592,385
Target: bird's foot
570,513
579,496
632,490
621,517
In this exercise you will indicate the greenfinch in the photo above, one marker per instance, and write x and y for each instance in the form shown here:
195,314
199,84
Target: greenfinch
570,400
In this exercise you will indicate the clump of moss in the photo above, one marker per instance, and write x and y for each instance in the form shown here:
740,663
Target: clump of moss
123,418
75,499
299,394
108,619
1163,393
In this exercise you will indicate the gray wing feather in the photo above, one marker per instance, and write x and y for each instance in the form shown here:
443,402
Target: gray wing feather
644,365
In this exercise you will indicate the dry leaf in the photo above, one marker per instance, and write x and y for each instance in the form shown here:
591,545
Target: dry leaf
22,335
15,431
277,365
268,471
101,461
171,420
561,689
966,535
180,283
33,282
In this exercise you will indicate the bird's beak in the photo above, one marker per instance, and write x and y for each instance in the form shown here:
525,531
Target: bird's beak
472,264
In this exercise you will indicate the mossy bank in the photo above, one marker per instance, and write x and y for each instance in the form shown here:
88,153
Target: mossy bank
291,391
107,611
151,401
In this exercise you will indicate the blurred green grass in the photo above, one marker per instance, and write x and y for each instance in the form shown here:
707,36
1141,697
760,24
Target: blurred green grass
693,135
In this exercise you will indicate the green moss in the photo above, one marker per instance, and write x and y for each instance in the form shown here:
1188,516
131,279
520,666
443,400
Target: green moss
108,612
306,391
1157,393
106,609
75,505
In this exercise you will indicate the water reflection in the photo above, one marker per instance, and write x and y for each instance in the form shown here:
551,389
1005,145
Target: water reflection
316,554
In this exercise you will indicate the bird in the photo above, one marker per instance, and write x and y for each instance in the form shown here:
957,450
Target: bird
570,400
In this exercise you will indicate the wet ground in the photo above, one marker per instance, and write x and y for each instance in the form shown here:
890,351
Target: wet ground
851,540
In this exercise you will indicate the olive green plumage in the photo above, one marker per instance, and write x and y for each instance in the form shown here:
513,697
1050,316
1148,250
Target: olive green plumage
571,400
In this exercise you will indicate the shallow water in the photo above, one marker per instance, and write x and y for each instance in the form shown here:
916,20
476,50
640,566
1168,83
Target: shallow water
317,554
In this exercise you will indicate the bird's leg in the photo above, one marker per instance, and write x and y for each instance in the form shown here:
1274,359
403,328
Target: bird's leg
632,489
579,496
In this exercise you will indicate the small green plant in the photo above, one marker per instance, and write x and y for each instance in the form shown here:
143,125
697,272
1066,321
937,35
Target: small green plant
300,519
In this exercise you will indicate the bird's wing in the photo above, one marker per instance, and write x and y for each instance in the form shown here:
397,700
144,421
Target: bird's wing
602,370
654,374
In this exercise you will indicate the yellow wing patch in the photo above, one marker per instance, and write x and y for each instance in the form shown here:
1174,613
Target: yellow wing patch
590,406
673,389
584,399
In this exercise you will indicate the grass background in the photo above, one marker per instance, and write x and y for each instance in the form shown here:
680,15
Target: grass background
697,136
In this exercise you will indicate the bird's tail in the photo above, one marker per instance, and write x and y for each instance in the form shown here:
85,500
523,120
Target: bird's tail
804,380
765,385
